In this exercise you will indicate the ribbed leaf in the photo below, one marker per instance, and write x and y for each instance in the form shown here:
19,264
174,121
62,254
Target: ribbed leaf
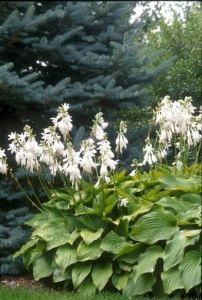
120,281
143,285
55,233
154,226
90,236
173,183
25,247
88,252
190,270
171,280
112,242
42,267
87,288
80,272
101,274
174,250
147,261
61,275
65,256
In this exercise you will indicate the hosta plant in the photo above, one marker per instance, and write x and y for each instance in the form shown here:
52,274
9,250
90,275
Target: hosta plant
137,232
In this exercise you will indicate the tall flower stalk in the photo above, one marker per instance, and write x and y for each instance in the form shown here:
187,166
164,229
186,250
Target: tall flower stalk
177,124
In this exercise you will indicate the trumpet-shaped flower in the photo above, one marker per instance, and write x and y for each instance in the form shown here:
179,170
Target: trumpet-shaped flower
98,126
63,120
149,156
88,150
3,164
71,165
121,140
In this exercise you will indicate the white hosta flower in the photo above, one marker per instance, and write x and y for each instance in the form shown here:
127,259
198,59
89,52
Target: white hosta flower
88,150
121,140
71,165
26,149
106,159
161,153
149,156
133,173
123,202
98,126
178,164
3,164
63,120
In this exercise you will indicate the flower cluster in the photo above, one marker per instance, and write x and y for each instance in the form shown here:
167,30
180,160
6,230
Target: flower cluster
25,148
56,151
178,126
177,118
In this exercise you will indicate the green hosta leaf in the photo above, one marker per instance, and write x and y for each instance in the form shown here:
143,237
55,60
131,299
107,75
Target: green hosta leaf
125,266
25,247
147,261
32,254
194,199
101,274
190,270
91,222
79,272
65,256
87,288
112,242
144,284
110,202
138,207
173,183
37,220
174,250
88,252
90,236
61,275
42,267
55,233
124,253
120,281
122,228
83,210
73,236
171,280
154,226
174,203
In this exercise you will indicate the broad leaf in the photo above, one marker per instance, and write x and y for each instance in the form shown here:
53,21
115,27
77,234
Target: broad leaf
173,183
154,226
171,280
87,288
65,256
25,247
101,274
42,267
143,285
54,232
120,281
174,250
113,243
147,261
88,252
90,236
61,275
190,270
79,272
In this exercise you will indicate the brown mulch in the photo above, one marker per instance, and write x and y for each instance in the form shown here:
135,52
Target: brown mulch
24,281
